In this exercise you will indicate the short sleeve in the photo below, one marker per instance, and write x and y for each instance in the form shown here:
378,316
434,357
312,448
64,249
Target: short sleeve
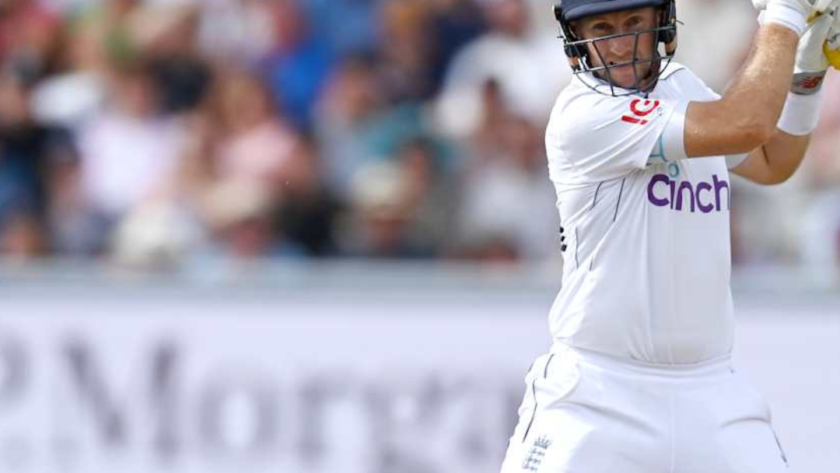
594,138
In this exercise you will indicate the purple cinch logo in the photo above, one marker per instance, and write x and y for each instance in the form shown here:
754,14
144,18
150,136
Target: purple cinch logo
678,195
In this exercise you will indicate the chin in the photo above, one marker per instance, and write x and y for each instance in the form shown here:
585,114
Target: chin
623,77
624,81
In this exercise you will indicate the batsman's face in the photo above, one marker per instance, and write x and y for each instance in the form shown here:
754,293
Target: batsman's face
621,50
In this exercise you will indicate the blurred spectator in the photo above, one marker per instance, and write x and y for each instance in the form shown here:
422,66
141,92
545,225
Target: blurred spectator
76,90
263,154
28,33
97,34
530,68
166,35
248,171
109,22
495,116
29,152
257,146
431,191
156,235
127,151
379,224
347,111
350,26
402,207
507,205
356,127
239,32
309,212
406,52
243,225
300,64
453,24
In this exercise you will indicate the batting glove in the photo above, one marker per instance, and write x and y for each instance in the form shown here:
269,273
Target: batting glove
811,61
792,14
806,6
801,113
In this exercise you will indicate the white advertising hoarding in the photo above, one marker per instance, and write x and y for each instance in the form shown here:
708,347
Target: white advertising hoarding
348,383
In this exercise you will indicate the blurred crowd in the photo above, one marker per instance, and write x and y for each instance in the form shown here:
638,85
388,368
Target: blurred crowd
159,132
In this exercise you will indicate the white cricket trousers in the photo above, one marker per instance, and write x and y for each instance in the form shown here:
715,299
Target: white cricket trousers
590,413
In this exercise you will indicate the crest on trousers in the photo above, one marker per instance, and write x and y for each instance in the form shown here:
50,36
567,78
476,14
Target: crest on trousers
536,454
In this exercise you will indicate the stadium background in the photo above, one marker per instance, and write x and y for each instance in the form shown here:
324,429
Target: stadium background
318,235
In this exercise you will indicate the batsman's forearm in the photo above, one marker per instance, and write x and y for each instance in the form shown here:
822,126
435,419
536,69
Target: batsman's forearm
784,153
776,161
745,117
757,94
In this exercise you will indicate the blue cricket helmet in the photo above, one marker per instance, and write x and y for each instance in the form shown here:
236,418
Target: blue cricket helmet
577,9
577,50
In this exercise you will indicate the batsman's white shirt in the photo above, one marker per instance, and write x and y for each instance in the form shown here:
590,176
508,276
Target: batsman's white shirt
647,260
639,379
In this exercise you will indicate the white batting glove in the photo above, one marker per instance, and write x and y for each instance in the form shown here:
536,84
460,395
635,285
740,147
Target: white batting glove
801,113
808,6
811,61
792,14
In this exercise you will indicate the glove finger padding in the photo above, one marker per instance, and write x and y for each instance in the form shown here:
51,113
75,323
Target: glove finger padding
831,48
819,5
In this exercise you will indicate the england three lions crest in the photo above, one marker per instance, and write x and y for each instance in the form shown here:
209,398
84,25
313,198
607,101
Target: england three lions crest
535,455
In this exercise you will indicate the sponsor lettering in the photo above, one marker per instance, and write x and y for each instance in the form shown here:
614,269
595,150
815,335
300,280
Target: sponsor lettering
639,110
811,82
690,196
103,414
